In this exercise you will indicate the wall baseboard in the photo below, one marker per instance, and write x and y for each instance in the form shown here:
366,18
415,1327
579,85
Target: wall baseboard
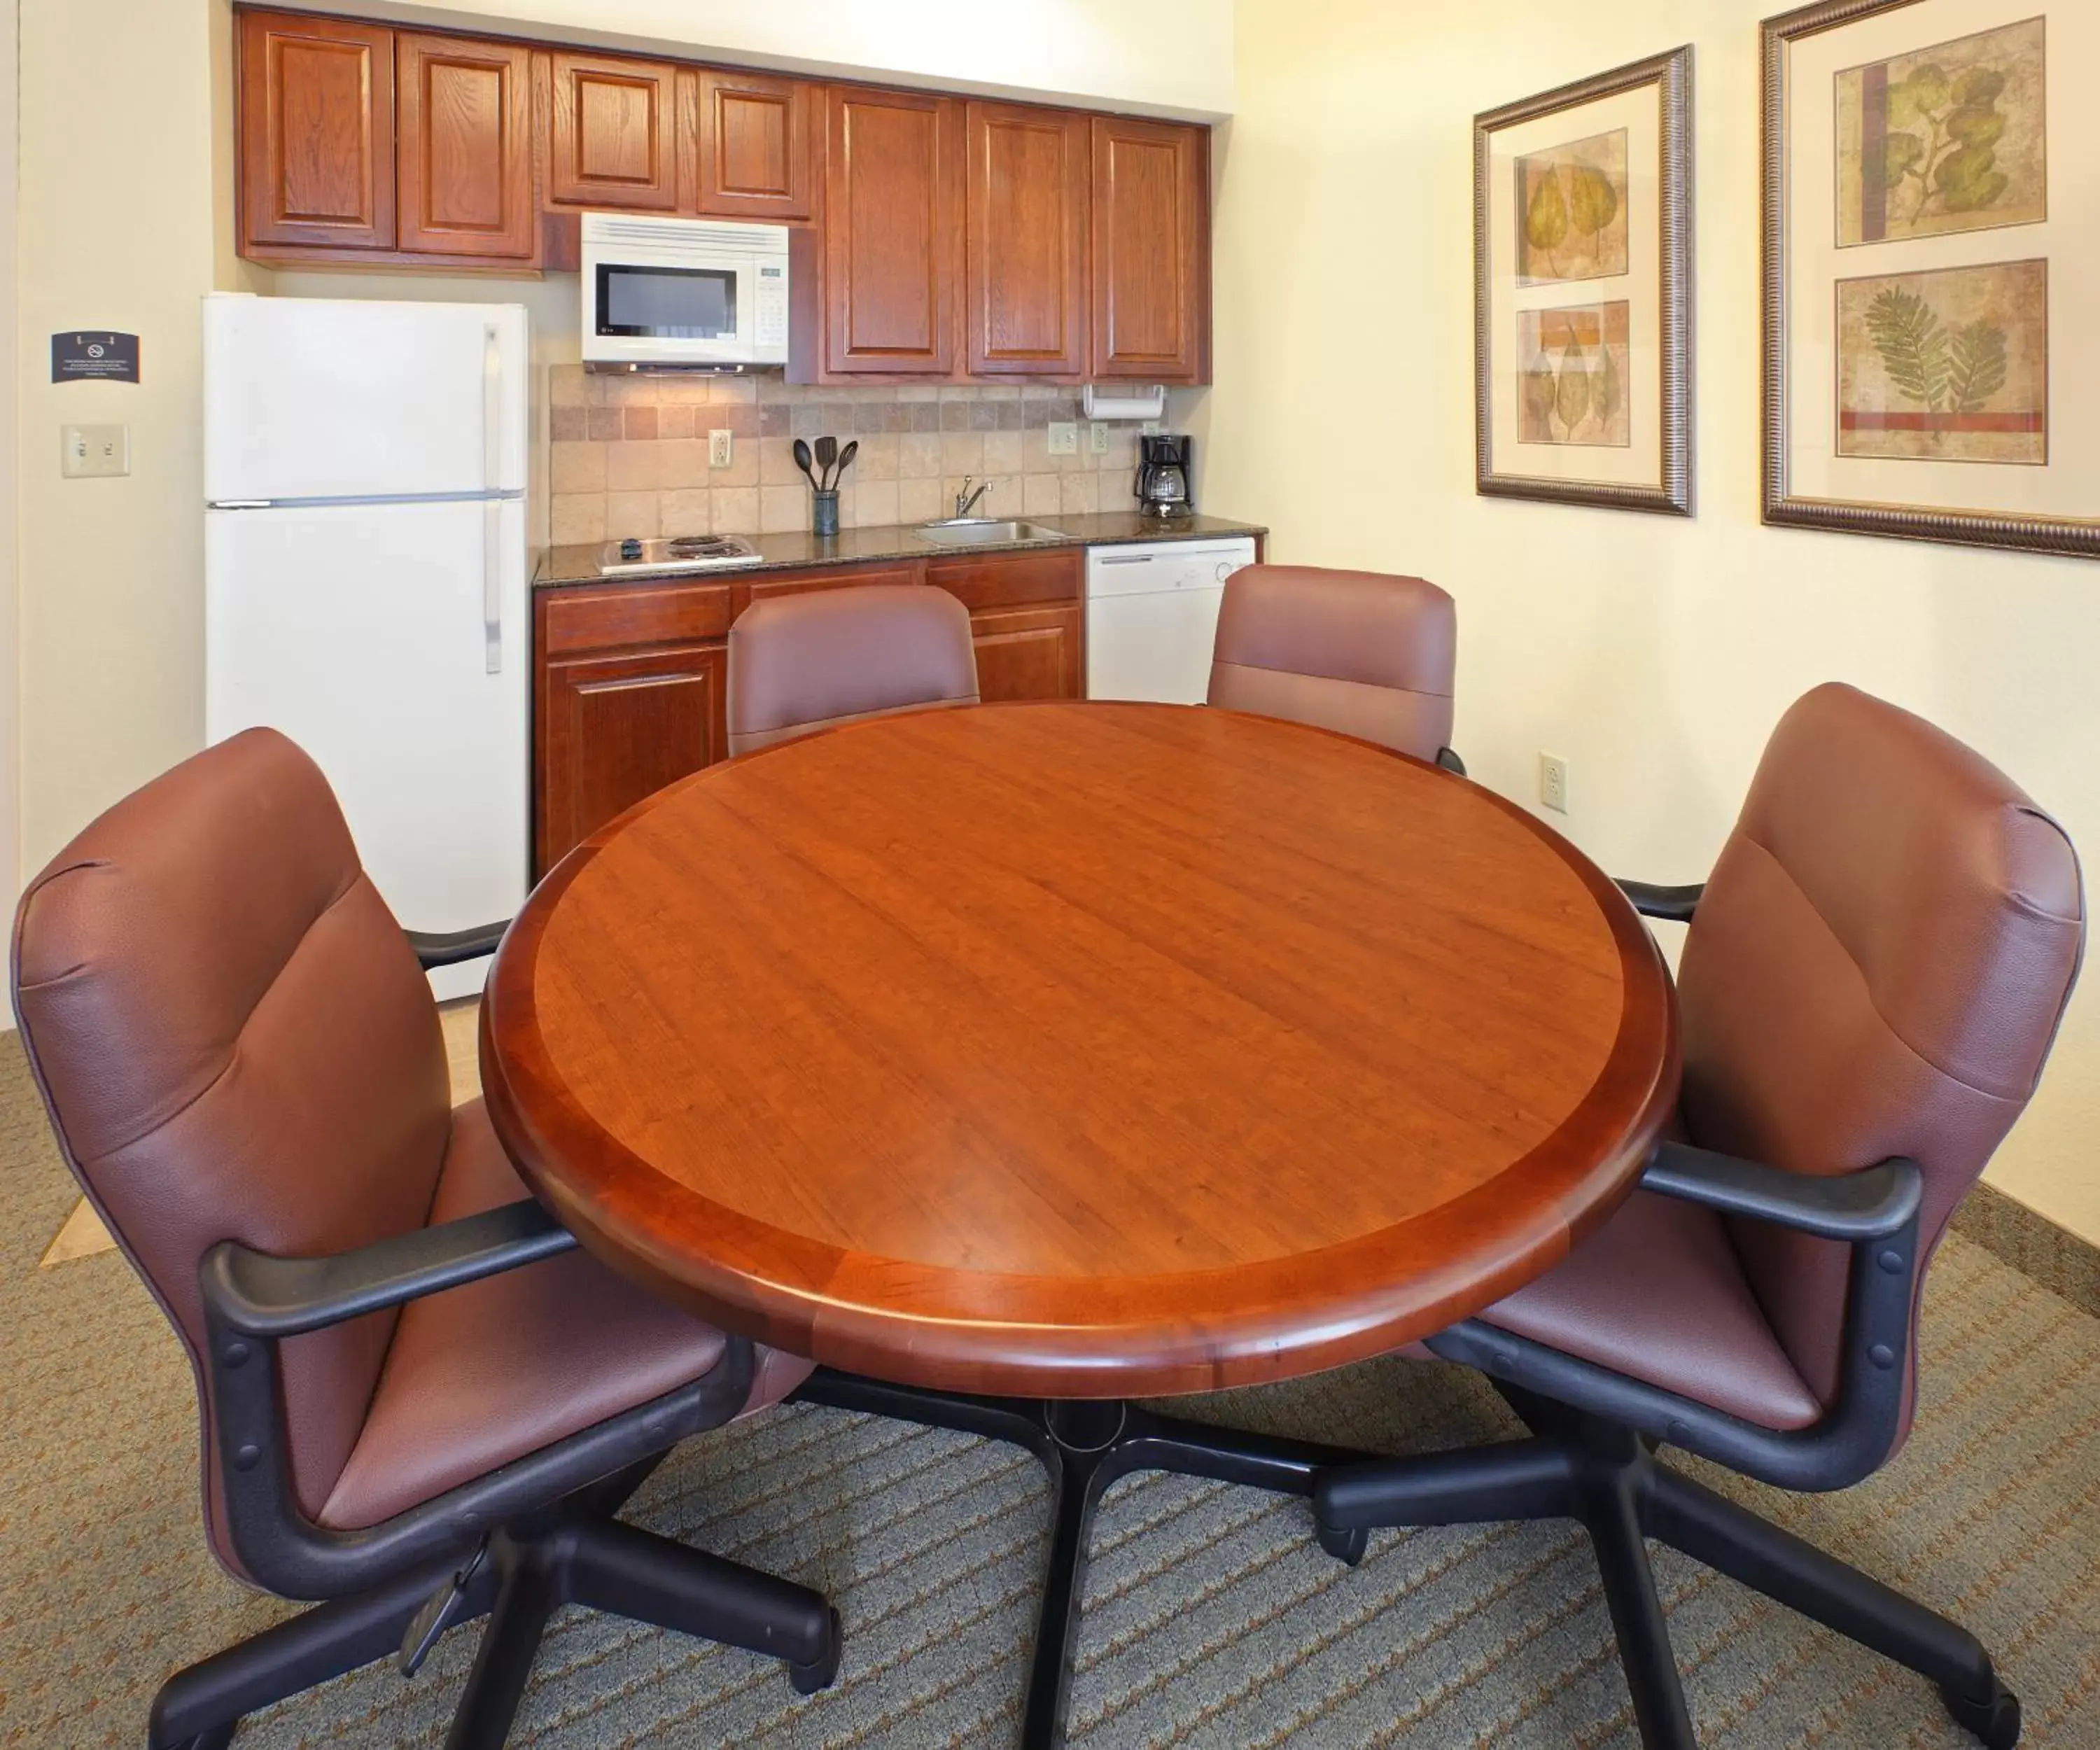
2033,1244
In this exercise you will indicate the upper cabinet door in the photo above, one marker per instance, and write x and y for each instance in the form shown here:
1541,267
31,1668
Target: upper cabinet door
1028,185
611,141
466,146
317,132
893,231
754,144
1152,250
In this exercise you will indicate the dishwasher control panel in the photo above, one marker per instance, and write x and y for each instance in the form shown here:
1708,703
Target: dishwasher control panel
1152,616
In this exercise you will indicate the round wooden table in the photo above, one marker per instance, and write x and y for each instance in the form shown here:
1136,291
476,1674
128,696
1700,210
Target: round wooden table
1056,1054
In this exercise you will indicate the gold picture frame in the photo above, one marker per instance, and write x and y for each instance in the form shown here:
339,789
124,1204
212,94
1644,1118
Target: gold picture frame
1582,292
1912,387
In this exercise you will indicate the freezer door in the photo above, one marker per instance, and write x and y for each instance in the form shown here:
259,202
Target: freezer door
310,397
362,632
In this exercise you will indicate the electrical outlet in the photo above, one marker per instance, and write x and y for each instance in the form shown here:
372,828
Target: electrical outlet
92,451
1553,781
1097,436
719,444
1064,437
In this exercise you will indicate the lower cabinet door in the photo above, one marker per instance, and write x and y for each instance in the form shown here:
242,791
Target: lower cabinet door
1028,652
614,729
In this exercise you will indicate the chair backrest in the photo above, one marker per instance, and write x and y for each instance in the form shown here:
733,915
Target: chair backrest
802,662
233,1041
1877,967
1369,654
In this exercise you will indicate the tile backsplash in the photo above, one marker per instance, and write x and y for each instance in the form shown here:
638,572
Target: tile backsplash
629,454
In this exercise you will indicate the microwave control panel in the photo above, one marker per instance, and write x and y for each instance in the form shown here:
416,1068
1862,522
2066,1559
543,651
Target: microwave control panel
772,319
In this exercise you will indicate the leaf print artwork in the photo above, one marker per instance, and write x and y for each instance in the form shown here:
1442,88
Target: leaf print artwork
1949,138
1571,202
1572,380
1948,366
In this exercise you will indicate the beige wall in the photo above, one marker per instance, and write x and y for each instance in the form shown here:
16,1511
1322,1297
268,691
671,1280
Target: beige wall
1653,655
115,230
10,669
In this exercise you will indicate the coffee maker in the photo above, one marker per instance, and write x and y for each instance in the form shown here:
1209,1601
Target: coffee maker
1162,475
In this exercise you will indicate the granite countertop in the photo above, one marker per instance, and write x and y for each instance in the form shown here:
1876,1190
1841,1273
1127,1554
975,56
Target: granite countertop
560,567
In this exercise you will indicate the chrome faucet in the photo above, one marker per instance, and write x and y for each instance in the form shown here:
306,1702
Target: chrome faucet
966,500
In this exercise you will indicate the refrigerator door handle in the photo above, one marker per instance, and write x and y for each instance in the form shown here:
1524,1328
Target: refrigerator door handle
491,408
492,478
492,581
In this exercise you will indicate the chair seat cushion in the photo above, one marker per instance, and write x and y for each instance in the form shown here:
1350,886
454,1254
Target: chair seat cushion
1658,1293
480,1375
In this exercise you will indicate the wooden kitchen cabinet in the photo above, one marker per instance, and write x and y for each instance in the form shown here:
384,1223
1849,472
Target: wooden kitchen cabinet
610,138
316,133
613,730
631,681
750,139
770,584
630,693
465,125
1027,189
1029,652
932,236
893,242
1010,579
1151,250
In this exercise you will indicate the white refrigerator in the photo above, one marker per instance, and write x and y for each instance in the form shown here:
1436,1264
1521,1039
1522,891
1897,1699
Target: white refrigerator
365,584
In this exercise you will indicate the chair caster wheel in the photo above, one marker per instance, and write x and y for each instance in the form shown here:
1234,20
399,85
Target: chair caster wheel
821,1672
1345,1545
1996,1719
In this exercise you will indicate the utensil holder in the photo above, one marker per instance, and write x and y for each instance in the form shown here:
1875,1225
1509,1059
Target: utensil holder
824,513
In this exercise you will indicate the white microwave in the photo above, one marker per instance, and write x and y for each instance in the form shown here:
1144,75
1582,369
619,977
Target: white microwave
683,291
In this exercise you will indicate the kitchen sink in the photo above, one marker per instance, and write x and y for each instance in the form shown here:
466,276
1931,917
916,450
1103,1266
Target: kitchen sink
978,532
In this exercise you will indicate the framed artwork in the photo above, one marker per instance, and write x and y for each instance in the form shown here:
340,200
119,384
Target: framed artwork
1923,253
1582,292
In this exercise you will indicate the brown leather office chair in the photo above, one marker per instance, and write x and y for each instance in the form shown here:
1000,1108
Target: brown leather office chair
1369,654
412,1408
1871,984
802,662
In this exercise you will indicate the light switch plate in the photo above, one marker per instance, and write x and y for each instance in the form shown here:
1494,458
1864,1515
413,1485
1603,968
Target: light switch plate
88,451
1064,437
720,444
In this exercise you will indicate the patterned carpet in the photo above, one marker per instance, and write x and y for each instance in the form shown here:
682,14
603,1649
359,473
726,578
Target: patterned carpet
1212,1621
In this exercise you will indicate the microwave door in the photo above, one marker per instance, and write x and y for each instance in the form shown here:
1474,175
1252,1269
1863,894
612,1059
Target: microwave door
689,310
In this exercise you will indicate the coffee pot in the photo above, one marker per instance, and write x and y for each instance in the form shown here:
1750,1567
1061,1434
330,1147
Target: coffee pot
1162,475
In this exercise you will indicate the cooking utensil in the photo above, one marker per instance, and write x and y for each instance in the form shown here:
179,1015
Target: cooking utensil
845,460
828,452
802,462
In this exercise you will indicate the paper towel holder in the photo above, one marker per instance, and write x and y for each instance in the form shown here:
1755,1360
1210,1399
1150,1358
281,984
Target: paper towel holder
1112,401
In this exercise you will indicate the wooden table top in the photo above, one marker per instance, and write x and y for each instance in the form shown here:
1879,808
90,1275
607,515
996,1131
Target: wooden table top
1079,1049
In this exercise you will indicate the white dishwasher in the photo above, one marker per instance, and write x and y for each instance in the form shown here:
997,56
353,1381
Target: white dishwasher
1151,614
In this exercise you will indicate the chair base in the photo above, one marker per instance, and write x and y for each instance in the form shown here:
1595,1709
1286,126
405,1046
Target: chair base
1085,1445
575,1552
1579,1467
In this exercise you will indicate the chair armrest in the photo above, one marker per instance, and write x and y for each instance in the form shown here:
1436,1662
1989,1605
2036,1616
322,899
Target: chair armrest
1672,905
434,951
1872,1204
258,1295
1876,1210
